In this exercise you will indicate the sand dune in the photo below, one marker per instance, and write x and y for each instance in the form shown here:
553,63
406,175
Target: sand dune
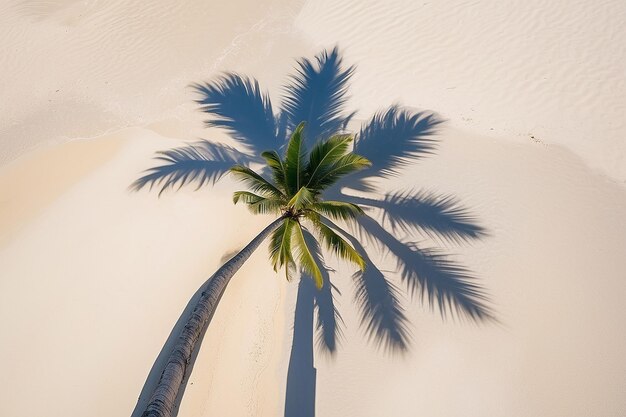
93,277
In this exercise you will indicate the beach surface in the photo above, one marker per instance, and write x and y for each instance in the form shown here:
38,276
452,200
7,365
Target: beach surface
93,276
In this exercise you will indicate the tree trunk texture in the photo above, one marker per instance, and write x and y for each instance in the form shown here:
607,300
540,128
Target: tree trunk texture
164,395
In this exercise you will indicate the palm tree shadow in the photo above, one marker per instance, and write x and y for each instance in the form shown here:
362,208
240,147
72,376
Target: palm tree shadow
301,373
392,140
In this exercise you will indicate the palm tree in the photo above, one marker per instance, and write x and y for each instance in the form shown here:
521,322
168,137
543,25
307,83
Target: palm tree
317,200
294,193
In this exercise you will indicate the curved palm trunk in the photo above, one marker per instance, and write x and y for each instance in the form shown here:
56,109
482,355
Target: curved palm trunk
164,395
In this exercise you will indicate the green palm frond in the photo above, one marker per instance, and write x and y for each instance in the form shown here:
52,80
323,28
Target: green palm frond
343,166
337,210
325,153
256,182
305,258
295,160
267,206
278,168
258,204
246,197
280,247
303,198
336,243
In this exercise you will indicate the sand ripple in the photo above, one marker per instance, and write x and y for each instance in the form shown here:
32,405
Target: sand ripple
553,70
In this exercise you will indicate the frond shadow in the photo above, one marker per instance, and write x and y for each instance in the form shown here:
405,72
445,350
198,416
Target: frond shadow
382,315
301,373
329,322
440,217
237,105
433,277
317,95
202,163
393,139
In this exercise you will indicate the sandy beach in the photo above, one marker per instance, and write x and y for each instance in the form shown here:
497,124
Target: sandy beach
94,276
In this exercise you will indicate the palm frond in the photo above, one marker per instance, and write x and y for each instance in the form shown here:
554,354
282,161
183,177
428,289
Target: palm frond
335,243
236,104
267,206
325,154
256,182
301,199
258,204
246,197
394,138
317,94
202,162
305,258
329,320
337,210
295,160
278,168
280,247
345,165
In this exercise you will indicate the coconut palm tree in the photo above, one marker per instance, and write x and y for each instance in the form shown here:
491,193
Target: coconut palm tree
318,201
294,194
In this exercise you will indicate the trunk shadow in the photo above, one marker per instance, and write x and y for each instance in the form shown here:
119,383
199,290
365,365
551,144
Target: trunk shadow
301,374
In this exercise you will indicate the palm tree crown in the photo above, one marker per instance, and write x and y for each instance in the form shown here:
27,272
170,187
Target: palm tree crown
411,225
295,192
310,192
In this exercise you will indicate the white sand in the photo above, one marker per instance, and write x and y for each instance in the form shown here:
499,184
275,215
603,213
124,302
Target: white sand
92,277
552,70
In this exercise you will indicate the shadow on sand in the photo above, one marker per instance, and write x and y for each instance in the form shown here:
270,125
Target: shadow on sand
392,140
